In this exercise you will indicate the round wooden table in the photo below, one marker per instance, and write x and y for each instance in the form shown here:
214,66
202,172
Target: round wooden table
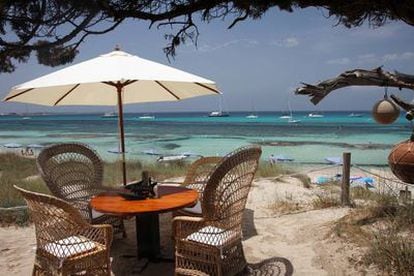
146,213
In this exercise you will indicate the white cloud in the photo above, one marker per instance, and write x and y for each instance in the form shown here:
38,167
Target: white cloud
371,58
243,42
288,42
403,56
341,61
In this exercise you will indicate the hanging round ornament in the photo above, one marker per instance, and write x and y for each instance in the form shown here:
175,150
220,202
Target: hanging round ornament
401,160
385,111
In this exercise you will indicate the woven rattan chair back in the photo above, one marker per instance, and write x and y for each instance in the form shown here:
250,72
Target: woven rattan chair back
65,242
198,172
212,244
228,186
72,171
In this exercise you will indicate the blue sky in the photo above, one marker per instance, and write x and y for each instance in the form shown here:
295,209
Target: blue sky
256,64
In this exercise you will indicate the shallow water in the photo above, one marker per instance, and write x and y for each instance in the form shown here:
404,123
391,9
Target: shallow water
309,141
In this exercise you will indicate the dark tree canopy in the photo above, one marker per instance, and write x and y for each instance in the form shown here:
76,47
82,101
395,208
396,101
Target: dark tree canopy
54,29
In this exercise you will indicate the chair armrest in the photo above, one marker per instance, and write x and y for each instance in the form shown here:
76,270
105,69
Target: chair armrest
185,225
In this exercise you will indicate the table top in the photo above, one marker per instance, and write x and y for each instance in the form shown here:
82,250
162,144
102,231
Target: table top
170,198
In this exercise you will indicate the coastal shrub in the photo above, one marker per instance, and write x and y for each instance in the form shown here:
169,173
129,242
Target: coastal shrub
404,216
271,170
284,206
162,171
326,200
392,252
158,171
362,193
351,229
304,179
385,206
17,166
10,197
113,172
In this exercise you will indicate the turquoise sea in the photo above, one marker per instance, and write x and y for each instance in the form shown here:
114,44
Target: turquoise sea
308,141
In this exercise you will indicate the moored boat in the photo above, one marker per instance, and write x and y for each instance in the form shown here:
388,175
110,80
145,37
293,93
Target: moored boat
110,115
218,114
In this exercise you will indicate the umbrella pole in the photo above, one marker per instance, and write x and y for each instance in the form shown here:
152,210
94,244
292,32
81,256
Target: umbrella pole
119,87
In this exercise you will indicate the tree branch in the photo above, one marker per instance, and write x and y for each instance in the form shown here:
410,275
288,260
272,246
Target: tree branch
361,77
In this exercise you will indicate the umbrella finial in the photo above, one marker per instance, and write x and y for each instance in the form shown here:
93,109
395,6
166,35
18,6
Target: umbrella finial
117,47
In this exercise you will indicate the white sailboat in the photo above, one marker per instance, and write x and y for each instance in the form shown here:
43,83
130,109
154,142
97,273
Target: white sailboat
109,115
146,117
220,112
26,114
252,115
291,120
315,115
285,116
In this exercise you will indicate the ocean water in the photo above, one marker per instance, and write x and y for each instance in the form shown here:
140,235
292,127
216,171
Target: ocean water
309,141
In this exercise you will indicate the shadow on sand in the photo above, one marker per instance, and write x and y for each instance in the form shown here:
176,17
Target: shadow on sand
125,262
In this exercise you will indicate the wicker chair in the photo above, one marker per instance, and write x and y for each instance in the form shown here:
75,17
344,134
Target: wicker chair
74,172
196,178
211,244
66,243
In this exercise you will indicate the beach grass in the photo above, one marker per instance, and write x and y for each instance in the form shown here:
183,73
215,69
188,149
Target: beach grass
392,252
304,179
285,206
20,171
384,226
326,199
271,170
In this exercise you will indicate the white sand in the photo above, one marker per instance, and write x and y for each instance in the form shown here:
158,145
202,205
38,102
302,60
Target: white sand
304,239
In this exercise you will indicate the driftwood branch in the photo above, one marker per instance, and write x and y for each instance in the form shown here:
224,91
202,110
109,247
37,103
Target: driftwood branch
375,77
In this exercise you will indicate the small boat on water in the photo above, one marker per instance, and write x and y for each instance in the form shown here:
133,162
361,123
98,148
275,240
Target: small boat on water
146,117
13,145
334,160
290,118
355,115
218,114
252,116
168,158
315,115
293,121
110,115
280,158
150,152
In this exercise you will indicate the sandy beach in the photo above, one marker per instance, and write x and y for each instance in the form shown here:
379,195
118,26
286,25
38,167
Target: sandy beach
302,240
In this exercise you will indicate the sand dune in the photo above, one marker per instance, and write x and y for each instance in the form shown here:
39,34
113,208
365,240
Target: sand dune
302,240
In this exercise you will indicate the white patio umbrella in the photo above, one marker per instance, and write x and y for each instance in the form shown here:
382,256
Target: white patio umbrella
115,78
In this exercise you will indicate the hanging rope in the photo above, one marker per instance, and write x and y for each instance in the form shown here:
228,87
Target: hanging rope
381,177
386,92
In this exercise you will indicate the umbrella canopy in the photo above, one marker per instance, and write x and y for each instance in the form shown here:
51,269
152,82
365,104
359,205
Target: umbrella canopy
92,83
115,78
